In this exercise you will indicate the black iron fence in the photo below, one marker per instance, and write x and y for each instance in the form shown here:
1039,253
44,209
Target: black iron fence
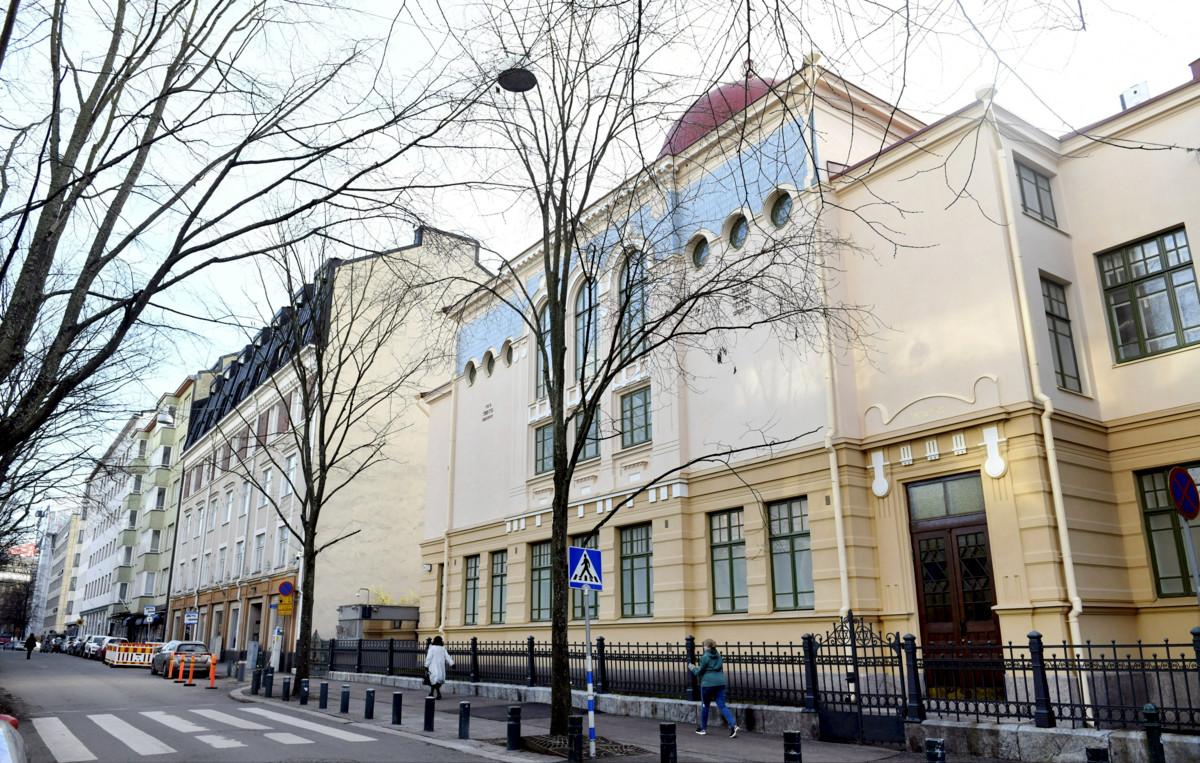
1106,686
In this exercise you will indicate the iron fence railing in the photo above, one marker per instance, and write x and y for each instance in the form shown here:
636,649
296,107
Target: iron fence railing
1106,686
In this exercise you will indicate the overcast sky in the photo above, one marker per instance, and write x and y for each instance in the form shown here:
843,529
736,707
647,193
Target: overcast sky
1056,78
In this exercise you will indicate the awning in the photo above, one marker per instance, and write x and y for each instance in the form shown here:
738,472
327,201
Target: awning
129,620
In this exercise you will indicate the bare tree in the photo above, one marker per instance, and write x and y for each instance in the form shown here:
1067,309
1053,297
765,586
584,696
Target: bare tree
143,143
352,349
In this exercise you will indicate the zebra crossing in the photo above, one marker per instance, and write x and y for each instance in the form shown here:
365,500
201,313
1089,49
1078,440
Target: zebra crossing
158,732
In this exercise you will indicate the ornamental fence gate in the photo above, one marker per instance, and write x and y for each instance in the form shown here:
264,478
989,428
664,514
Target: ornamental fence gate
858,683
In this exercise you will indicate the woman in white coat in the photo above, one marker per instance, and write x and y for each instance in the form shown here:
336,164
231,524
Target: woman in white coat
437,659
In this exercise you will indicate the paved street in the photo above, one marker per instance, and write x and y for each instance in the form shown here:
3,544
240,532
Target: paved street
78,710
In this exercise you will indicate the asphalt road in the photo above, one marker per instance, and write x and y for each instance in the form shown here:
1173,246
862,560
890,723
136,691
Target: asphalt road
79,710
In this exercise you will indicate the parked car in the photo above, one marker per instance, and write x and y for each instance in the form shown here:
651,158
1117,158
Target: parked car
186,649
109,641
56,644
74,644
92,645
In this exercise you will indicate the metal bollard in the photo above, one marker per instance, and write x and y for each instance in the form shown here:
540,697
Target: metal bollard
255,681
1096,754
397,707
229,669
464,720
935,751
513,740
429,706
369,705
241,671
669,748
791,747
1153,727
269,684
304,692
575,738
323,696
344,702
286,694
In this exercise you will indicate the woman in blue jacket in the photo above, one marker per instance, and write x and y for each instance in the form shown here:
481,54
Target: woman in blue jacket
710,670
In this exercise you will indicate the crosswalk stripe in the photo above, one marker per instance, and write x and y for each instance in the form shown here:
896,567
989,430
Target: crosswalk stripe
173,721
230,720
63,745
138,741
218,741
285,738
345,736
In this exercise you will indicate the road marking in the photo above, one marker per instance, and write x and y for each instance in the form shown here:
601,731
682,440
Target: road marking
285,738
218,741
288,720
128,735
173,721
63,745
231,720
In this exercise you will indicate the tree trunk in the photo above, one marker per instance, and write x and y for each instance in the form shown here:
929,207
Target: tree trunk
560,672
304,629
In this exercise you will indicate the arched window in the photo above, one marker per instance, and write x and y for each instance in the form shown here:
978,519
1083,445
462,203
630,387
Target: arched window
543,354
586,329
632,304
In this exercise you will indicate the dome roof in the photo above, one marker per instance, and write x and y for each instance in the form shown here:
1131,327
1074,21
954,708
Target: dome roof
713,109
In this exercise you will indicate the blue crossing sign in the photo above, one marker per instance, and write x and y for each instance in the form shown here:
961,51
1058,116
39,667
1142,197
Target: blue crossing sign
583,567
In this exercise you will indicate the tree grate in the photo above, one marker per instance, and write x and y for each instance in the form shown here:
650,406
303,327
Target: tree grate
556,744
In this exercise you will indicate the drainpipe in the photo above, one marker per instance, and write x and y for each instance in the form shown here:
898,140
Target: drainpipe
1016,271
839,518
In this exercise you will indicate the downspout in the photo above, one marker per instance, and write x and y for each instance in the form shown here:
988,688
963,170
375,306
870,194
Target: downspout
453,448
839,518
1016,271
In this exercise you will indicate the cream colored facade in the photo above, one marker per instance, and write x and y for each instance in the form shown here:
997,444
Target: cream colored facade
233,549
957,380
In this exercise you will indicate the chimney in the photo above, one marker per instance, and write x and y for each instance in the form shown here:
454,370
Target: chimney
1195,69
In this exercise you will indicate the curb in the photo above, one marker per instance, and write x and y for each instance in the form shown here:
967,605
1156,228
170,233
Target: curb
471,747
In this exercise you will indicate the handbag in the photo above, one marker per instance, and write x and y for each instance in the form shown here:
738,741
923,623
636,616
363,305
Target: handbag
425,678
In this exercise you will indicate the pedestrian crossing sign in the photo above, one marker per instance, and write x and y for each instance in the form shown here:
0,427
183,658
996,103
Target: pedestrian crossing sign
585,569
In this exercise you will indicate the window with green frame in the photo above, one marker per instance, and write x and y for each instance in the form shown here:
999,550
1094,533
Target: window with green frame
1036,198
791,553
728,561
635,418
591,446
1164,532
499,586
539,582
1150,296
1062,340
577,596
637,572
471,590
543,449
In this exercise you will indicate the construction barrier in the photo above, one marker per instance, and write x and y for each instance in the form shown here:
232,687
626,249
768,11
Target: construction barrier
130,655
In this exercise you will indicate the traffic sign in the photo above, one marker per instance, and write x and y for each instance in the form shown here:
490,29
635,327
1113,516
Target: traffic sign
286,588
1184,493
286,605
149,610
585,569
191,618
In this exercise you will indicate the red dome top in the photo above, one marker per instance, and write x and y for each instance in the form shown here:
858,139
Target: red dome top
712,110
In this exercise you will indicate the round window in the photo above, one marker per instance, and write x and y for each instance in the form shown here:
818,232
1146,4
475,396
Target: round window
470,373
489,363
700,253
781,210
739,231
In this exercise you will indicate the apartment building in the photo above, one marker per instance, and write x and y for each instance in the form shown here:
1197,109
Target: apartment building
61,545
243,481
111,504
989,459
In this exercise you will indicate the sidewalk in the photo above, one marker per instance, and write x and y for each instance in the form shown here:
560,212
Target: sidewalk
488,722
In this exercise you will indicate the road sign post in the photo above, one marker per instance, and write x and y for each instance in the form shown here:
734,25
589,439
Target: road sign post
585,573
1187,503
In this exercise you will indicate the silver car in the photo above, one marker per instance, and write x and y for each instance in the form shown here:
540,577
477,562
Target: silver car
91,647
159,663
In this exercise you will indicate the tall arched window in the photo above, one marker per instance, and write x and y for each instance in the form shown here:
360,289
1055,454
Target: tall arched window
586,329
543,354
632,304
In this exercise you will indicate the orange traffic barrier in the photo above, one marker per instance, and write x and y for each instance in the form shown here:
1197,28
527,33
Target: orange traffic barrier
212,672
179,669
191,671
171,667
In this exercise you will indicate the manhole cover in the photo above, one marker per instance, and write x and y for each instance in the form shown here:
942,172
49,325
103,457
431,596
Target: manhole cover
550,744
